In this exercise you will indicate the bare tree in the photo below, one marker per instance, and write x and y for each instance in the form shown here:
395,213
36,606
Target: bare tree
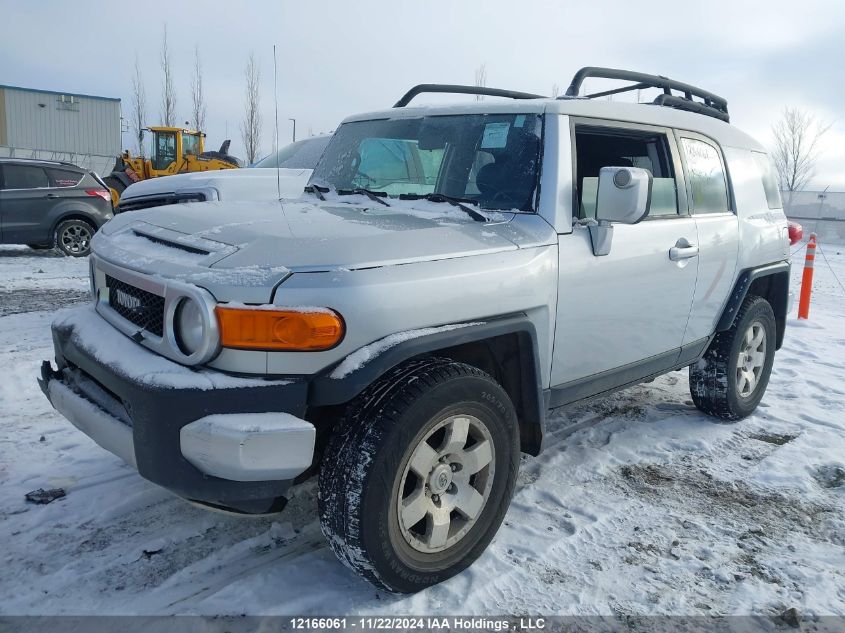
796,150
197,96
139,106
168,92
251,125
480,79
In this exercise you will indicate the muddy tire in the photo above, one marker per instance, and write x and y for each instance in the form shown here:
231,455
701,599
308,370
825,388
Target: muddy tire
731,378
419,474
73,237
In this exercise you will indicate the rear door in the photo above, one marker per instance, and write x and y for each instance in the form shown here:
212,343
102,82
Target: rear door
24,203
718,231
623,316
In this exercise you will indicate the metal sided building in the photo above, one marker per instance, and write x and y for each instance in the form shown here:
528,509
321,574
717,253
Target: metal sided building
79,129
819,212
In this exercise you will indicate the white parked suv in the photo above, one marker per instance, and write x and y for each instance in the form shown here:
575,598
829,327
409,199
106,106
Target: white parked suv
282,174
401,330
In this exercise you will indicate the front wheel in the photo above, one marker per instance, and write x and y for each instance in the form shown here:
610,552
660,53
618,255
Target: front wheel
730,379
417,479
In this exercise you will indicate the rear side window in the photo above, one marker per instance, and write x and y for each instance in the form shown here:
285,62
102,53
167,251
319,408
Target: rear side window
706,177
770,180
24,177
64,177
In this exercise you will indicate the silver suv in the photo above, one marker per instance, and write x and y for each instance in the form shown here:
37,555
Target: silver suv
450,274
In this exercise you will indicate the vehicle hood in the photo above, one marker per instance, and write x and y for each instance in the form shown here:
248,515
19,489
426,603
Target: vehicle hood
240,243
226,184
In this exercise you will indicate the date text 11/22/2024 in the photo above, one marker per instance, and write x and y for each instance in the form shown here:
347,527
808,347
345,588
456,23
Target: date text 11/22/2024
400,623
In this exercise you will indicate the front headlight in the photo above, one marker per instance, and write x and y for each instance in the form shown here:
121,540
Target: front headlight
189,326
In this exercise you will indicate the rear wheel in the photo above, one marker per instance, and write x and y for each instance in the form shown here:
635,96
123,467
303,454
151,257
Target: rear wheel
418,477
73,237
731,378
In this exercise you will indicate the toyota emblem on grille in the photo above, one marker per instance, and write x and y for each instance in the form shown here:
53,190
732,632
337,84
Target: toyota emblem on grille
126,300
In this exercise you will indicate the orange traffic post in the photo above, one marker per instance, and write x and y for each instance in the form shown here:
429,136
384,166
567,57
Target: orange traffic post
807,279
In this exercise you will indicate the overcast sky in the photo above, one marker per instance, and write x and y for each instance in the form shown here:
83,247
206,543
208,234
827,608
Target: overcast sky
338,58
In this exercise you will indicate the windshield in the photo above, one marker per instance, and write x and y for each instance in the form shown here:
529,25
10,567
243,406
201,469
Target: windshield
190,144
489,159
300,155
164,150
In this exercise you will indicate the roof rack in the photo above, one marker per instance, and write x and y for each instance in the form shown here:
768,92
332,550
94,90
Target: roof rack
711,104
464,90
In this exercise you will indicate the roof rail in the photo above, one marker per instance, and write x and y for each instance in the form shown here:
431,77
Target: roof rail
464,90
21,159
711,105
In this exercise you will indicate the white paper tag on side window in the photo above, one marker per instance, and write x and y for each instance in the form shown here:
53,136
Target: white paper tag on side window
495,135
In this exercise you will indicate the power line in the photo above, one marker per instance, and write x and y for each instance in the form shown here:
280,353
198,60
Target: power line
832,272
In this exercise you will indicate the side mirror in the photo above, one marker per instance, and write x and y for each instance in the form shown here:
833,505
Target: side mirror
624,195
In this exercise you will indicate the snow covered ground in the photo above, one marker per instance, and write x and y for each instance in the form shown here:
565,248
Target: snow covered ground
650,508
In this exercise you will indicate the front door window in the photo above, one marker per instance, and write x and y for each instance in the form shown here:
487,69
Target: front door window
164,150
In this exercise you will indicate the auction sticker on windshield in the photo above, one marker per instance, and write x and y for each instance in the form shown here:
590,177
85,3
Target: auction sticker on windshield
495,135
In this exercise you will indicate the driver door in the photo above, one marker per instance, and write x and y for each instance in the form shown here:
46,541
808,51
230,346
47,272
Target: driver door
622,316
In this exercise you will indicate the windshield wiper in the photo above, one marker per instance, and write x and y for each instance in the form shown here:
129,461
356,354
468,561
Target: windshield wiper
314,188
455,202
372,195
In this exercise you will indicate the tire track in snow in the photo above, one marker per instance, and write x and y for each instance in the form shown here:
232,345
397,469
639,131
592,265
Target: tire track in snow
307,541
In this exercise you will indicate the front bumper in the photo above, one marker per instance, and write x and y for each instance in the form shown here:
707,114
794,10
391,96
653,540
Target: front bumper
236,447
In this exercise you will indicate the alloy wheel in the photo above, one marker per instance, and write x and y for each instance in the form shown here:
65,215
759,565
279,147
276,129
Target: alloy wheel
446,483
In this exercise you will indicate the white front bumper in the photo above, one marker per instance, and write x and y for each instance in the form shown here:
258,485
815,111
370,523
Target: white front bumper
249,446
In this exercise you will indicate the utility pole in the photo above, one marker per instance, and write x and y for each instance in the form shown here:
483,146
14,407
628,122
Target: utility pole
294,129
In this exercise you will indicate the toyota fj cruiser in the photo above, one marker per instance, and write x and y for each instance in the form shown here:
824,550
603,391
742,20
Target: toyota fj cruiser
450,274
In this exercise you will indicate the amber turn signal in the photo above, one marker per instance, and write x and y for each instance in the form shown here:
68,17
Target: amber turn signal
279,330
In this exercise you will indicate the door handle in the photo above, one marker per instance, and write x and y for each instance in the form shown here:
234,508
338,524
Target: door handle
683,251
52,195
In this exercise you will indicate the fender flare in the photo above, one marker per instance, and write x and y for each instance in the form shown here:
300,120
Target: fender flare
740,290
74,213
327,391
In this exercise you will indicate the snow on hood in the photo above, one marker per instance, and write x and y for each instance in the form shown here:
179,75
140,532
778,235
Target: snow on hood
257,244
230,184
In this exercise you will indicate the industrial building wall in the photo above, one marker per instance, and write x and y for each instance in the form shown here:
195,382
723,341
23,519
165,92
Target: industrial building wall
79,129
819,212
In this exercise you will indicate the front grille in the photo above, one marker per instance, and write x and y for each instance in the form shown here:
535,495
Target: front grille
140,307
159,201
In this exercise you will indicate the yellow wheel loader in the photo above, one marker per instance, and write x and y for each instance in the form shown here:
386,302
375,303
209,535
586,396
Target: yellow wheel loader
174,151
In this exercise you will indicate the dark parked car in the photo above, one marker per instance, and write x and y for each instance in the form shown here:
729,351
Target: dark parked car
47,204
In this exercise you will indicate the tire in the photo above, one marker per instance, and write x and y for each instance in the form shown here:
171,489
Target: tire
368,468
73,237
719,385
